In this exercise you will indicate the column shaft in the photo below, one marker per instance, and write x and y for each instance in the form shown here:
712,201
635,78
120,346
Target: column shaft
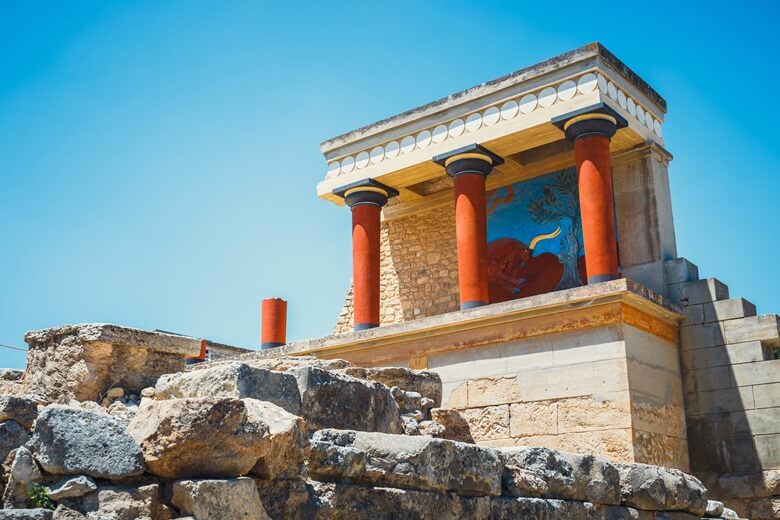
365,264
471,234
594,168
274,323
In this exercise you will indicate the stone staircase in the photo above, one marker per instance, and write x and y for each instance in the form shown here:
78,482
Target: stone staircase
731,382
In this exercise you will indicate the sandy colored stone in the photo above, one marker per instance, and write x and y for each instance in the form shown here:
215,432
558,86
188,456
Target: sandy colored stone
586,414
661,450
458,397
668,419
286,446
615,445
218,499
126,503
424,382
456,428
491,422
19,408
492,391
534,418
198,437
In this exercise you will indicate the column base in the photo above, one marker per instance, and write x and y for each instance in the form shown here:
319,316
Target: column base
365,326
270,344
464,306
601,278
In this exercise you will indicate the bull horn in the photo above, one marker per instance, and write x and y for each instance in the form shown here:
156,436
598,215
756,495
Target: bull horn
539,238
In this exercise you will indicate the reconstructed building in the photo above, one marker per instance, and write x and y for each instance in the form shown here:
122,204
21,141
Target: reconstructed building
517,238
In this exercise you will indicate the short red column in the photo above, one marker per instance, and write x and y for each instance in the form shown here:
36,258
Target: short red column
468,168
591,133
366,199
274,328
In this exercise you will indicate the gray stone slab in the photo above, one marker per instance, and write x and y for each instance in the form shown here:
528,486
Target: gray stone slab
707,379
723,355
694,315
756,422
699,291
759,373
680,270
754,328
731,309
702,336
767,395
726,400
768,450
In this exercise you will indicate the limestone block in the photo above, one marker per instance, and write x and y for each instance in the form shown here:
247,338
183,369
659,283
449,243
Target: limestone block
22,409
233,379
12,435
455,394
759,484
198,437
733,354
701,336
409,462
707,379
456,428
426,383
767,395
506,508
26,514
71,487
768,451
654,417
680,270
490,422
714,508
661,450
694,315
615,444
754,328
661,489
728,310
125,503
699,291
491,391
726,400
218,499
759,373
586,414
534,418
83,361
64,512
331,400
73,441
23,471
756,422
287,444
325,500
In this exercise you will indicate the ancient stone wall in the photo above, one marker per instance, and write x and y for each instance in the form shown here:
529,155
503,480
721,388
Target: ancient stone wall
419,275
732,392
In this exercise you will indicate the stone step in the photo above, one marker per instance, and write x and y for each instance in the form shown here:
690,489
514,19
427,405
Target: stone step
680,270
699,291
722,310
752,328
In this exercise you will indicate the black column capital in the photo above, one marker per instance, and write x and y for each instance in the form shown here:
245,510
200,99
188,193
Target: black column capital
597,119
469,159
366,191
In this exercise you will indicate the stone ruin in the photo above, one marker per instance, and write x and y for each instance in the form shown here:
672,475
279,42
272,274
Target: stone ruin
287,437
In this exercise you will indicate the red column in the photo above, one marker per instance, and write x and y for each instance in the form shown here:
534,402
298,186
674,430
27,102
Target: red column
594,168
365,265
274,328
468,167
471,236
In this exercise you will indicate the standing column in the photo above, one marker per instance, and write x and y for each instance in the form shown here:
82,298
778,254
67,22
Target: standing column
468,167
366,199
591,133
274,323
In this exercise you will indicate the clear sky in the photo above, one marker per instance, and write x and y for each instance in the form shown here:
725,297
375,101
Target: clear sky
158,159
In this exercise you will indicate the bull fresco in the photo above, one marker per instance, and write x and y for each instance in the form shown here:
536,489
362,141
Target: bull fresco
535,237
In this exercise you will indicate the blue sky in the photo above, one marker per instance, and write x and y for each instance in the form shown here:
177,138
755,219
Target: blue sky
158,159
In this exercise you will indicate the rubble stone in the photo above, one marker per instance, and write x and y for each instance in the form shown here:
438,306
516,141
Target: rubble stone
286,447
71,488
126,503
26,514
198,437
23,471
22,409
12,435
218,499
71,441
456,428
661,489
407,462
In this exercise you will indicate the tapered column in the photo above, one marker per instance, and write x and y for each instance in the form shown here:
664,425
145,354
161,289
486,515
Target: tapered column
366,200
274,320
591,133
468,168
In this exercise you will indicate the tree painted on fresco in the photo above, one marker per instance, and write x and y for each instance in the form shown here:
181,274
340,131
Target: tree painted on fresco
560,200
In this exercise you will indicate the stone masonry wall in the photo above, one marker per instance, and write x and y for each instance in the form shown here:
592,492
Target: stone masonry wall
732,393
419,273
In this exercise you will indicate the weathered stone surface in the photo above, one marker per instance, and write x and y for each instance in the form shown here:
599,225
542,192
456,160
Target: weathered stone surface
64,512
285,363
126,503
427,384
22,473
547,465
12,435
596,480
331,400
520,482
456,428
286,446
325,501
714,508
22,409
10,374
488,423
218,499
83,361
71,488
431,429
661,489
122,413
198,437
406,462
232,379
72,441
26,514
506,508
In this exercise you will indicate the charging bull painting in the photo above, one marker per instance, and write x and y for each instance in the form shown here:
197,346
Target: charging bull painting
535,237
